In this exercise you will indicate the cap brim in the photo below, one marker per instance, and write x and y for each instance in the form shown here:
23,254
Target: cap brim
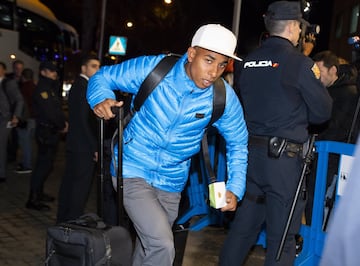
229,55
48,68
217,51
235,57
303,21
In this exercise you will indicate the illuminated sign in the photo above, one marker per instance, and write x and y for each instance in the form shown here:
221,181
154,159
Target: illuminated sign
117,45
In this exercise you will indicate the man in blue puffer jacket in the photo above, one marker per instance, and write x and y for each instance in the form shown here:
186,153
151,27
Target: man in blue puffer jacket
166,132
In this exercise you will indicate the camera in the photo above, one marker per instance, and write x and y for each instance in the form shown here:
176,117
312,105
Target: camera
312,29
355,42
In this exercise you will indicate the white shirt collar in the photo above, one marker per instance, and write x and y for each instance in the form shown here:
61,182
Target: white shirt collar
84,76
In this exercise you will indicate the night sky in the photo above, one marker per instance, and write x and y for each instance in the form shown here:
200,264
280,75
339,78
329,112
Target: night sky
159,28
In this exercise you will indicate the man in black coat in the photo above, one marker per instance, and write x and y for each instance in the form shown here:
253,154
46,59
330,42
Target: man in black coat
81,146
341,83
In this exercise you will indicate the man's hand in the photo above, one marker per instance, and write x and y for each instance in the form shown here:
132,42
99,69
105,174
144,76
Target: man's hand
231,202
103,109
308,44
14,121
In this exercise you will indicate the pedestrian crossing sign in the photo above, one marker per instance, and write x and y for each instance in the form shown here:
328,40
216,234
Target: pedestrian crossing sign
117,45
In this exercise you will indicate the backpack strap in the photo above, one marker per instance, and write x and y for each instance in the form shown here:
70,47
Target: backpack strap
153,79
219,100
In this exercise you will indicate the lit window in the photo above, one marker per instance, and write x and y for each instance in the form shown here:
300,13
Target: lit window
354,19
339,25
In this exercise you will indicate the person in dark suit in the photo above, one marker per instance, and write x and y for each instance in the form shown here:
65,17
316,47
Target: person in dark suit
81,146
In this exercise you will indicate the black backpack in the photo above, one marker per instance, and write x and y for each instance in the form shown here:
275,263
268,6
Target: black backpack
158,73
150,83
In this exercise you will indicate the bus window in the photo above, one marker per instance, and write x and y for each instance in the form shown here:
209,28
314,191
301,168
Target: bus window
6,15
70,37
39,37
30,31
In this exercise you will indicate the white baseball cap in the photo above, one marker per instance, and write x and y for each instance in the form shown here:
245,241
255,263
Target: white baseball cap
216,38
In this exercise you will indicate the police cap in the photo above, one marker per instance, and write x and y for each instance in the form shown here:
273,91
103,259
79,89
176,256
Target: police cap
285,10
48,65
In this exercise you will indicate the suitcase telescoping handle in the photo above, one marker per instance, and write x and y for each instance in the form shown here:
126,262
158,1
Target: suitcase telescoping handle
119,111
100,180
120,182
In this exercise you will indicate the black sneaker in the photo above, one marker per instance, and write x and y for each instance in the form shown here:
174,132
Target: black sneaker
37,205
46,197
22,170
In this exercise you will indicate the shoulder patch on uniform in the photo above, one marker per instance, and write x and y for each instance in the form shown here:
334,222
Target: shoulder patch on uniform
315,69
44,95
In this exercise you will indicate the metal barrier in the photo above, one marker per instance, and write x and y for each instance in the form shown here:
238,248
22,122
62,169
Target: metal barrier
197,188
313,235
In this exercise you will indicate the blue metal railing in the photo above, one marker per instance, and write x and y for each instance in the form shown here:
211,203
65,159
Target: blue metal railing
313,235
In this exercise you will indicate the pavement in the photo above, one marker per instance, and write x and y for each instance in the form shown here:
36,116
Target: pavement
23,231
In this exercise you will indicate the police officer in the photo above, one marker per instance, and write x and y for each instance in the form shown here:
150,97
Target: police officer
281,94
50,122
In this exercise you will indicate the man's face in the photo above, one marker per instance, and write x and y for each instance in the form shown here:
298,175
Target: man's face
205,66
327,75
295,32
18,68
90,68
49,74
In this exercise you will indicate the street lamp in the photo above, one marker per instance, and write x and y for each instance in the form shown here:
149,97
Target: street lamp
129,24
306,7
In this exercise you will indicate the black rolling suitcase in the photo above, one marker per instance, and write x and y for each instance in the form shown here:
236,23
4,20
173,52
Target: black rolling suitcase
88,241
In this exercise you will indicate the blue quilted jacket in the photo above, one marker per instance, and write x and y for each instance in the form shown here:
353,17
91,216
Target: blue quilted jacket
166,132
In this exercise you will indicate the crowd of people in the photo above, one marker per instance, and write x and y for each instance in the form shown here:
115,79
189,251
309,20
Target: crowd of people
281,96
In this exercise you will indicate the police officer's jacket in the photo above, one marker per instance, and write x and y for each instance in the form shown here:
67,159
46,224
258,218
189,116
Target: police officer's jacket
167,130
47,105
281,91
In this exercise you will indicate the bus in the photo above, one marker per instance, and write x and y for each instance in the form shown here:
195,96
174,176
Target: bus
29,31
